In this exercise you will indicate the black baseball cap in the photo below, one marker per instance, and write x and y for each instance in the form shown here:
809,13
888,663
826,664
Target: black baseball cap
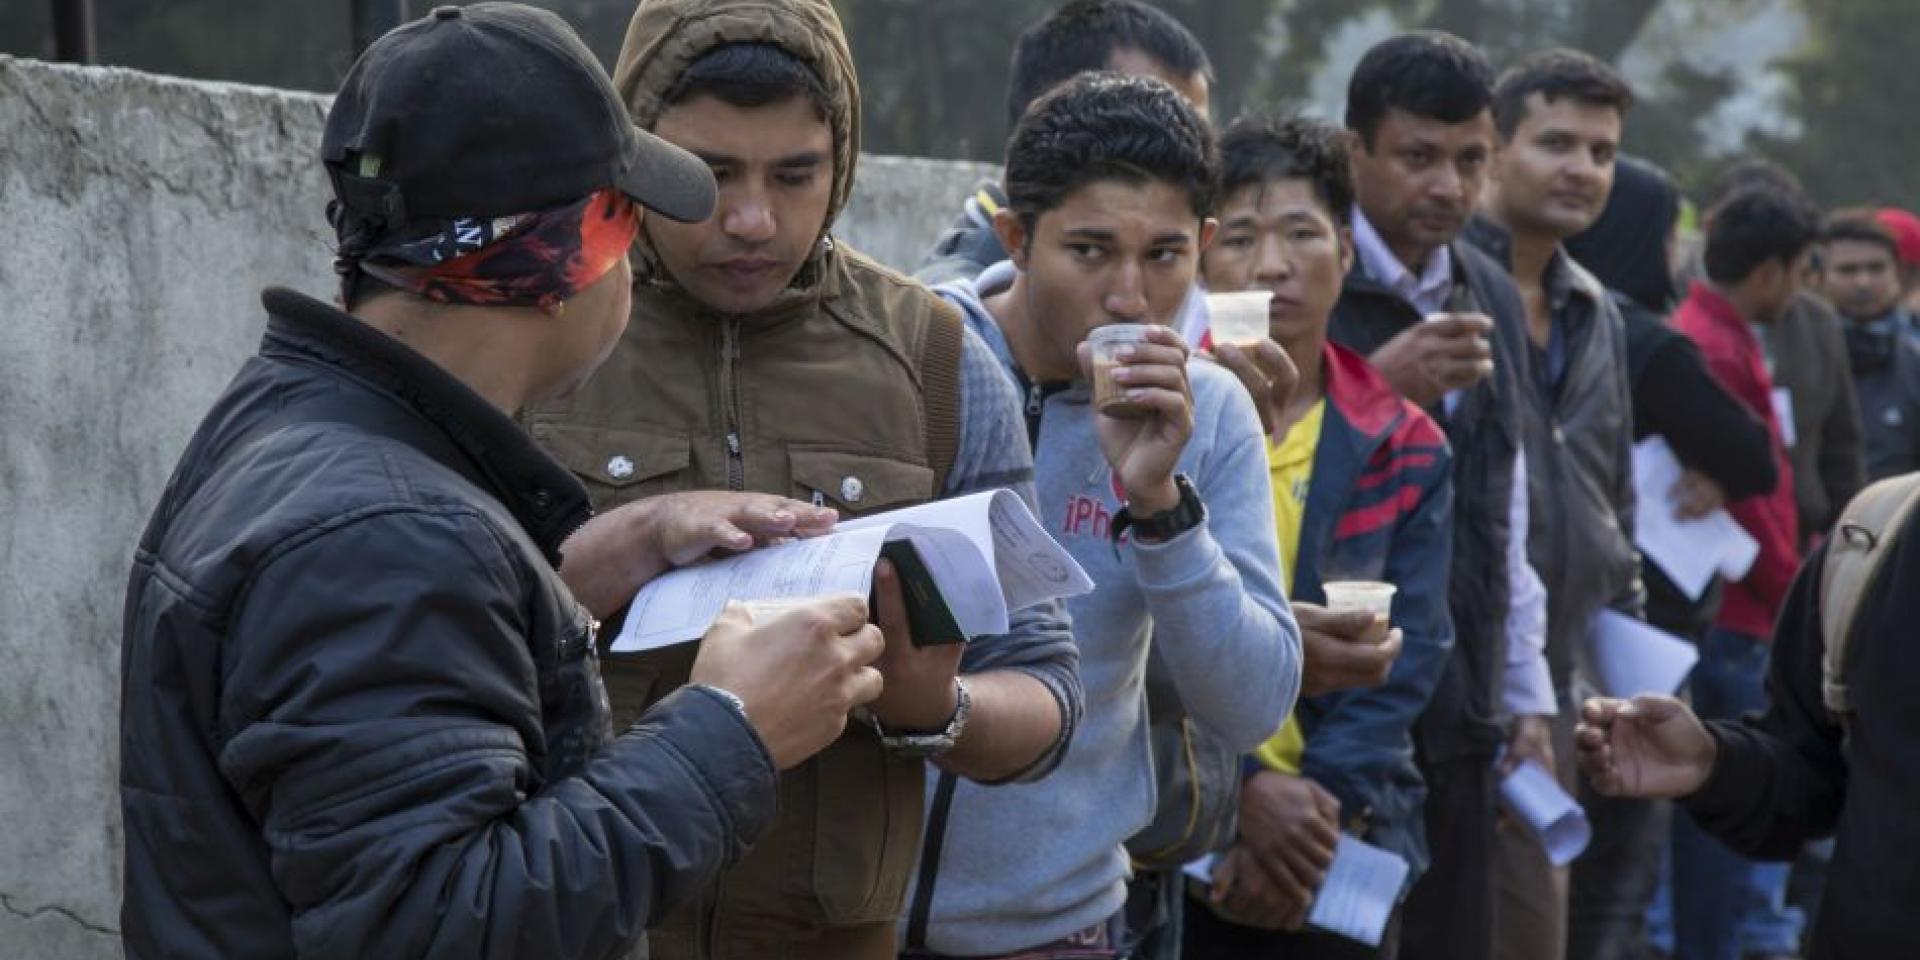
491,110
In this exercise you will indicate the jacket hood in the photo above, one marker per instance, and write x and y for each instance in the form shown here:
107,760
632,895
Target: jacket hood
666,36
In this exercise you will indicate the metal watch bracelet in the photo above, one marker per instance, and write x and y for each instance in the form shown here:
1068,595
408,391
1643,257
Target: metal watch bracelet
930,744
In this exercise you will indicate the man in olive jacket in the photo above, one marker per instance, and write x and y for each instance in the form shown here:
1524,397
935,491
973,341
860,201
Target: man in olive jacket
361,714
765,355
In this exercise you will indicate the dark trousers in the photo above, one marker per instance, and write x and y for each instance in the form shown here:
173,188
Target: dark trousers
1155,911
1207,937
1614,880
1713,887
1450,913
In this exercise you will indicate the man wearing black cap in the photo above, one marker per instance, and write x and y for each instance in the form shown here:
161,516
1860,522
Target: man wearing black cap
362,713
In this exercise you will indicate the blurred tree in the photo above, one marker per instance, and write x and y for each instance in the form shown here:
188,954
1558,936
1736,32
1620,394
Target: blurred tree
1859,141
934,71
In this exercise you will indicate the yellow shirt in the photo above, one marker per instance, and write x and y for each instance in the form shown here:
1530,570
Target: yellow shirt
1290,467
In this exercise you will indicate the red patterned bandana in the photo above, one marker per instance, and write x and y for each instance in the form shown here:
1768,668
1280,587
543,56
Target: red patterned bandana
529,260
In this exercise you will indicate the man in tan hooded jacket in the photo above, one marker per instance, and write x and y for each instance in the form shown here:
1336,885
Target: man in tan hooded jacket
762,355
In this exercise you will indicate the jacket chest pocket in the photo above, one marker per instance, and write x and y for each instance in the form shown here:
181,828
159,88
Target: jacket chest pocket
618,465
856,484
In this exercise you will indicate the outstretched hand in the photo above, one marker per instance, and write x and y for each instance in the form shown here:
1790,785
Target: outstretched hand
1645,747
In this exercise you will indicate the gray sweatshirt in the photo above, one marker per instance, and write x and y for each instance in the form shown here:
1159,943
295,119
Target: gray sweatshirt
1023,864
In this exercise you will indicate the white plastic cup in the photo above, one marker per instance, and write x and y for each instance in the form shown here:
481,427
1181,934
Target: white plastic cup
1109,395
1369,595
1239,318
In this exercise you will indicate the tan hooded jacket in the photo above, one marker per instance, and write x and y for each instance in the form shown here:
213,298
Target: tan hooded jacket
844,391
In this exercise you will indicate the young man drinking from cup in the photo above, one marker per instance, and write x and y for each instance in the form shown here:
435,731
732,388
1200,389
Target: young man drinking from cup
1158,488
1362,494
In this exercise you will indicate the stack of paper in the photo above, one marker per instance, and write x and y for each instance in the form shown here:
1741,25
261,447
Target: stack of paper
984,555
1690,551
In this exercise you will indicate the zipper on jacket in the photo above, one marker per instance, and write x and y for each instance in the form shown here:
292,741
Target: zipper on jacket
730,397
1036,405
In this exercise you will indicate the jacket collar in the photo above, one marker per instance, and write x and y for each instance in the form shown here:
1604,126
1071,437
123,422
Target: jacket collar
1564,278
818,283
1710,304
1378,263
1357,390
483,443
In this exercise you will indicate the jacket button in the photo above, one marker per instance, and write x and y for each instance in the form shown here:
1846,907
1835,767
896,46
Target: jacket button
620,468
851,489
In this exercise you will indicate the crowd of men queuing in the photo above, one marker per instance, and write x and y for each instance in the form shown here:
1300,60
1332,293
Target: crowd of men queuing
589,329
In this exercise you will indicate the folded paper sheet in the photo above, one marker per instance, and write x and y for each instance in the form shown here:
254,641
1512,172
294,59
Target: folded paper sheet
1535,798
1359,894
1357,900
1633,658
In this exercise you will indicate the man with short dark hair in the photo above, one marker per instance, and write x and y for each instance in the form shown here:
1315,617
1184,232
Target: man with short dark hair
1362,489
362,715
1560,114
1110,183
1860,272
1129,36
1809,353
1444,324
1754,258
765,355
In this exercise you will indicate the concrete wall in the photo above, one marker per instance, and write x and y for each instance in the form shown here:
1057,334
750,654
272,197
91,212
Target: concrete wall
139,217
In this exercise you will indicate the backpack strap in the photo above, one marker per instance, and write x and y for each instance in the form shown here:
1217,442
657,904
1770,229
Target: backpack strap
1861,541
940,391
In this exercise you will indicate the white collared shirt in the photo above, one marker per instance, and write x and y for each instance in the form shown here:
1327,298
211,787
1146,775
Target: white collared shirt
1427,292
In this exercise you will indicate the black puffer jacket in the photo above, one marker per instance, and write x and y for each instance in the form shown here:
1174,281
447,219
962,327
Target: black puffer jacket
361,715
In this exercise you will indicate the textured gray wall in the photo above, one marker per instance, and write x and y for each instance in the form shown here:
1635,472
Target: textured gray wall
139,217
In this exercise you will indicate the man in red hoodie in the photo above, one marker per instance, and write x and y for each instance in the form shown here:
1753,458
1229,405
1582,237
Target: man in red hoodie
1755,249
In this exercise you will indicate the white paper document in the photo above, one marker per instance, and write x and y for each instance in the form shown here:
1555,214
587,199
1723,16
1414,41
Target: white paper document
1689,551
1632,658
1783,414
1535,798
1361,889
1358,896
985,552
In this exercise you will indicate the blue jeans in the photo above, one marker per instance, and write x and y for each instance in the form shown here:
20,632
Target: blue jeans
1722,902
